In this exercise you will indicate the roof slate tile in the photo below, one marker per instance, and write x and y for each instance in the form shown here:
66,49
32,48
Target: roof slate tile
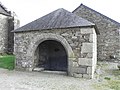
59,18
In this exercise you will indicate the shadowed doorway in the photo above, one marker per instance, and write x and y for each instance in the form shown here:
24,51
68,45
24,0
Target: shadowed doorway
51,55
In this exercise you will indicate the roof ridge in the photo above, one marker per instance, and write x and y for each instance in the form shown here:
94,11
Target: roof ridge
96,12
77,8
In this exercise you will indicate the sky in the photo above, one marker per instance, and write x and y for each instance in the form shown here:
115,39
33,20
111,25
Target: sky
29,10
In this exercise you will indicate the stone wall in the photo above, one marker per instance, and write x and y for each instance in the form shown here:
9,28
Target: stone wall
78,42
3,33
109,38
6,36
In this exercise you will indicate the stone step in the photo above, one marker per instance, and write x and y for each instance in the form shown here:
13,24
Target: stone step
55,72
38,69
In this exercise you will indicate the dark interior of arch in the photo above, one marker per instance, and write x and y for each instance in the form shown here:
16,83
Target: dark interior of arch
52,56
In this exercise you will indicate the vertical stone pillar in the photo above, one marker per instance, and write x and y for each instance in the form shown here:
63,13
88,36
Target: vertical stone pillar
86,63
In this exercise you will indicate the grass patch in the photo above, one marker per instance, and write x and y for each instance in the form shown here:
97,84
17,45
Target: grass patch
110,77
116,72
107,78
100,86
114,84
109,85
7,62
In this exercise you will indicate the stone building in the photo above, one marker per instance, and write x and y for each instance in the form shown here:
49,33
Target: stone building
58,41
65,41
108,42
6,26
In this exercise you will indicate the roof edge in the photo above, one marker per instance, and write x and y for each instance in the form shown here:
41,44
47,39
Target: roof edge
95,12
5,9
77,8
6,14
14,31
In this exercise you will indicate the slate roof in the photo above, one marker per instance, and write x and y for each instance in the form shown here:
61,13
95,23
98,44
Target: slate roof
97,13
59,18
3,10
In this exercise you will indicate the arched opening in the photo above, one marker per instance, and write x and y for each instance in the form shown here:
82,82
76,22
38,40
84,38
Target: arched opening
51,55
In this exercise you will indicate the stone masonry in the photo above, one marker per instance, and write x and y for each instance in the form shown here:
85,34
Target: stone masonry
78,38
80,44
7,24
6,36
108,46
3,33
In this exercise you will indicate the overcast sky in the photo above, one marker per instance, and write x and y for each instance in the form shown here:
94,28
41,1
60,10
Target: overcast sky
29,10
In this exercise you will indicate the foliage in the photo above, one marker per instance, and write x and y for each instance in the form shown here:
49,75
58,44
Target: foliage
107,78
7,62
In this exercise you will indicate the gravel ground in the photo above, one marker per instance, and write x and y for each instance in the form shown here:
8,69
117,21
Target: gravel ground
18,80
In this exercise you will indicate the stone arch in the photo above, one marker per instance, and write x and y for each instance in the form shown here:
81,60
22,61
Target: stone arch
51,55
49,36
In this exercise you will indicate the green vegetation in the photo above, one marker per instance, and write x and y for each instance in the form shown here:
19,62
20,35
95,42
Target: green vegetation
108,85
7,61
114,84
116,72
110,77
107,78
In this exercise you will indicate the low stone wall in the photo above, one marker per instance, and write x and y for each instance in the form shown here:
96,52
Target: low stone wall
80,44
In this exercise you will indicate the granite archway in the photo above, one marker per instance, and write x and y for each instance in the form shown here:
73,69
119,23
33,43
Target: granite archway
58,38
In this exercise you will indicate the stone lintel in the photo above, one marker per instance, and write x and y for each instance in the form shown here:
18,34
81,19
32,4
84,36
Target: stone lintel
86,30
